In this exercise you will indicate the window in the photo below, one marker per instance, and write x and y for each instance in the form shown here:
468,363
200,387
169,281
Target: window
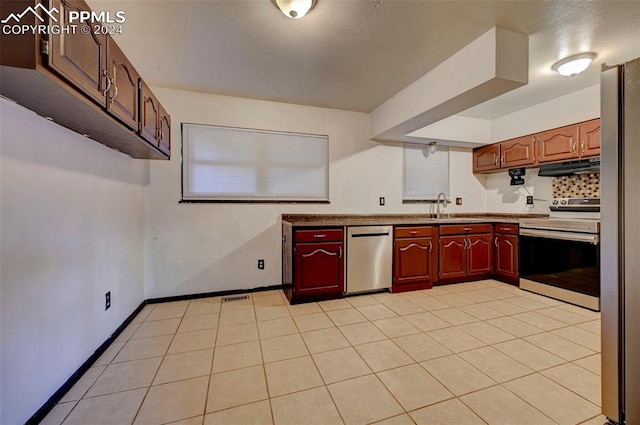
237,164
425,174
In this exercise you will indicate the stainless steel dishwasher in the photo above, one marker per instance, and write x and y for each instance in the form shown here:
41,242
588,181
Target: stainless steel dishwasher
369,257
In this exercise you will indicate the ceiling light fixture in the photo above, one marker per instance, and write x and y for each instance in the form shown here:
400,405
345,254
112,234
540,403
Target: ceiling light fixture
574,65
295,9
432,147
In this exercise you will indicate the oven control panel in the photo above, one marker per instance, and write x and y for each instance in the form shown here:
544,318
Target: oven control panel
575,204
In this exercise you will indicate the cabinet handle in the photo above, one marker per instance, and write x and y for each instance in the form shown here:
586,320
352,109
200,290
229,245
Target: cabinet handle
414,232
320,236
495,241
466,229
116,89
573,147
339,252
430,246
582,146
104,73
464,243
496,161
502,159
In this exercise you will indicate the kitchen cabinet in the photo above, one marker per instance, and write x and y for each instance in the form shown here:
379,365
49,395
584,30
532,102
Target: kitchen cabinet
465,252
79,57
567,143
486,158
414,258
560,144
316,271
518,152
506,247
589,136
80,81
122,93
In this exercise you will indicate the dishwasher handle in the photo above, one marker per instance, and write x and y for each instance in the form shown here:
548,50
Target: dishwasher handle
369,235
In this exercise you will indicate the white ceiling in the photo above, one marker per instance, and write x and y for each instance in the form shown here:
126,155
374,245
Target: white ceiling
356,54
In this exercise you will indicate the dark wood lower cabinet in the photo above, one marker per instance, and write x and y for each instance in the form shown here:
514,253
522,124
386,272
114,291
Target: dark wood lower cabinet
415,256
319,268
479,254
507,254
453,257
313,271
465,256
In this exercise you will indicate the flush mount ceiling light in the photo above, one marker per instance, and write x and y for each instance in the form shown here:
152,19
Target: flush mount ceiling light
574,65
295,9
432,147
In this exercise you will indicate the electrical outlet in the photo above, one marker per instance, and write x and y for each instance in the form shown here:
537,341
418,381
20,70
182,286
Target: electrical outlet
529,200
458,201
107,300
382,201
261,264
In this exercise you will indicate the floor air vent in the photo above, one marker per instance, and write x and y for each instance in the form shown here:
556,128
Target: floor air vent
235,298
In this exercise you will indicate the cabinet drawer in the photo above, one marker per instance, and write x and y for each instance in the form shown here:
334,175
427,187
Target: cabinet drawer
412,232
319,235
463,229
509,229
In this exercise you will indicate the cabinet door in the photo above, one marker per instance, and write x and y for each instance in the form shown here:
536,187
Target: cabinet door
560,144
79,58
413,261
589,134
479,254
452,257
165,131
319,269
149,114
518,152
122,97
506,258
486,158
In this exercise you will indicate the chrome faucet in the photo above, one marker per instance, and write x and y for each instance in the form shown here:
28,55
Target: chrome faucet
444,203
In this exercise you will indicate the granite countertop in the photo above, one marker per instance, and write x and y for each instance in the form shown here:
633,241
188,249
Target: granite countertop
316,220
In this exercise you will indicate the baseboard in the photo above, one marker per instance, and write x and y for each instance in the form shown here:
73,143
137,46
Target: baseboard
57,396
212,294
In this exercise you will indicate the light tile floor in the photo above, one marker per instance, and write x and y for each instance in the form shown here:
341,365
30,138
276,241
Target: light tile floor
471,353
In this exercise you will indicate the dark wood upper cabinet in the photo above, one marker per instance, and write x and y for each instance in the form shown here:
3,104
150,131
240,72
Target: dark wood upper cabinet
560,144
149,114
518,152
122,87
165,131
486,158
79,57
589,136
80,81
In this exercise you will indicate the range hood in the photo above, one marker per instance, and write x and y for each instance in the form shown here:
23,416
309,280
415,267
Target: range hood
583,166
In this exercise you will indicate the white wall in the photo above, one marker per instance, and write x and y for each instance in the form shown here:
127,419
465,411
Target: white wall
196,248
72,222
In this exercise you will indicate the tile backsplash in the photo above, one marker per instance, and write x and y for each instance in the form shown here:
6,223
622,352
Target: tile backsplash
582,185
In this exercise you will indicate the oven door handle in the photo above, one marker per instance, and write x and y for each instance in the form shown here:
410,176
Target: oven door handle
565,236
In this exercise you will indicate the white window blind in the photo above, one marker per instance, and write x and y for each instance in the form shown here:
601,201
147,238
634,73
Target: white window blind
237,164
425,174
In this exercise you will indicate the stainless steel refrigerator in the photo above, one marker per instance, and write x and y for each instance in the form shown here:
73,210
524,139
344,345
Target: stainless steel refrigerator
620,242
